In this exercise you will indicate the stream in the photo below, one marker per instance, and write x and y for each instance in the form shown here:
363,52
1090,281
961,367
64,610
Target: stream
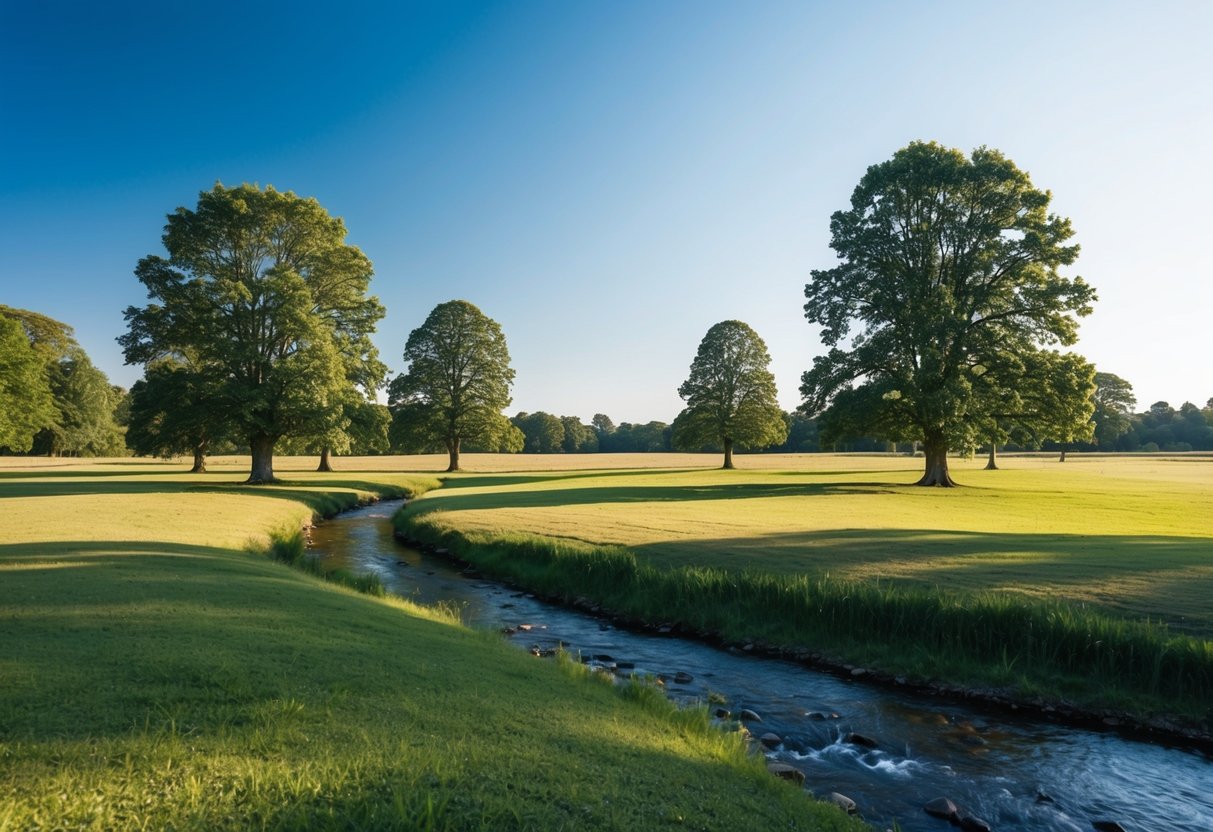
1011,772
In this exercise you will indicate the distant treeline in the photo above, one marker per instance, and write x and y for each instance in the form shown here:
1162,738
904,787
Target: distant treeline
1161,428
545,433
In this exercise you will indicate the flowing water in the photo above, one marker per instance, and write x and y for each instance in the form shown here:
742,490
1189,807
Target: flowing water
1014,773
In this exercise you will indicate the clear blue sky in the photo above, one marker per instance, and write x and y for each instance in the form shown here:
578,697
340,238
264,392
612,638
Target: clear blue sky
607,179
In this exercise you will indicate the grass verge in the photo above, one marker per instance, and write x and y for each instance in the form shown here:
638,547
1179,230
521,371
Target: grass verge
157,675
1030,645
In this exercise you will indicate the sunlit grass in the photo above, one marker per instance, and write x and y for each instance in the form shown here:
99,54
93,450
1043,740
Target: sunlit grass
1027,575
159,671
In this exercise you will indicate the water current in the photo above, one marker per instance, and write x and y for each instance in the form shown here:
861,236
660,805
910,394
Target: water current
1012,772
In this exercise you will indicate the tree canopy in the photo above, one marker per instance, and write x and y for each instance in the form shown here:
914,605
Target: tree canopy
1113,412
173,411
457,382
26,405
80,420
261,290
948,287
730,394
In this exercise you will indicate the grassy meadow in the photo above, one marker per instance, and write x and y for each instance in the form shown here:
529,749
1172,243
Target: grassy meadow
160,671
1060,562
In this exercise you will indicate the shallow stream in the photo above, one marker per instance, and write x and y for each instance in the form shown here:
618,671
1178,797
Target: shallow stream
1012,772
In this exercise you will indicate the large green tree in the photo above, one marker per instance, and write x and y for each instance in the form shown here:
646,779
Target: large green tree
26,405
950,265
457,382
262,290
730,394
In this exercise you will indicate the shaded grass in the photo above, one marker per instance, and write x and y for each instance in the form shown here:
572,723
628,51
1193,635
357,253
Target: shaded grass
1008,623
156,674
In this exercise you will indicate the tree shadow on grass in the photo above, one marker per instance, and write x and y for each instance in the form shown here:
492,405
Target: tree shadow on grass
309,492
452,500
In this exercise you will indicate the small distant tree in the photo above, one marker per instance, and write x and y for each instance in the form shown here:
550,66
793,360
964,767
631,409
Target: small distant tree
458,380
1113,414
1030,397
26,405
949,264
730,394
604,430
543,433
174,410
579,438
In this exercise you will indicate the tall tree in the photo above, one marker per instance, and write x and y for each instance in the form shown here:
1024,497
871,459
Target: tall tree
262,288
730,394
949,264
26,405
458,380
1114,403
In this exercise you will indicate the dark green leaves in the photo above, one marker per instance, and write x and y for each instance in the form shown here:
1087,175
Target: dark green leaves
730,393
458,380
948,263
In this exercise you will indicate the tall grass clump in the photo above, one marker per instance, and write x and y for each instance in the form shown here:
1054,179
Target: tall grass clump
289,547
989,636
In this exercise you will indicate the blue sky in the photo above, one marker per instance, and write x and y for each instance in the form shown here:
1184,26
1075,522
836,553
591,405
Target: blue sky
607,180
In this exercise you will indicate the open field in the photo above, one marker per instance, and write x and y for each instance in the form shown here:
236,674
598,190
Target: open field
158,672
1129,535
1042,579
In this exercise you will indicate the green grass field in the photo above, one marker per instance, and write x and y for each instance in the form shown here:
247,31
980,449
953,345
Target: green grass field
1129,535
159,671
1091,547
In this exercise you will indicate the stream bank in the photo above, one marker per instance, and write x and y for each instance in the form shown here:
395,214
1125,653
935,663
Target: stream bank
1001,765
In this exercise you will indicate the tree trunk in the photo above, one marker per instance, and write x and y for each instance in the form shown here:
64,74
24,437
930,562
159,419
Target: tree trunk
728,453
199,459
935,453
992,465
262,447
452,447
325,465
1063,454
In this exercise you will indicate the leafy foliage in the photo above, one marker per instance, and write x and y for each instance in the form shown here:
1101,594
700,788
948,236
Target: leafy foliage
26,405
172,412
542,432
457,383
1114,402
730,394
261,289
950,279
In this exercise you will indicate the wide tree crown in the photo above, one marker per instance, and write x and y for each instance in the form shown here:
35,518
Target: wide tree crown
949,287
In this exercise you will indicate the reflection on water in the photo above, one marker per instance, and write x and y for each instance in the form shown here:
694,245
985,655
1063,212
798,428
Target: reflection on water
1012,773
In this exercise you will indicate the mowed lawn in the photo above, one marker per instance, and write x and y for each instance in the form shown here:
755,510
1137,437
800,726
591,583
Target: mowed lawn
157,671
1129,535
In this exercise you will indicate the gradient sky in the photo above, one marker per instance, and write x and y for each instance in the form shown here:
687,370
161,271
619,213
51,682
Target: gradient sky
607,179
